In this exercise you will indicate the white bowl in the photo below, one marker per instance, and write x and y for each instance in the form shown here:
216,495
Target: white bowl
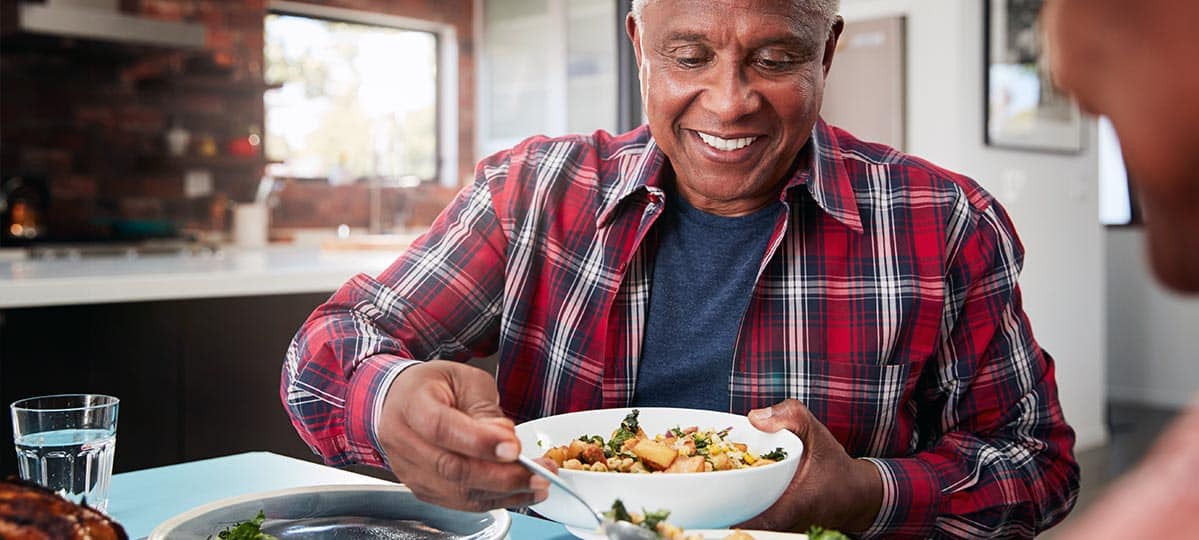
708,500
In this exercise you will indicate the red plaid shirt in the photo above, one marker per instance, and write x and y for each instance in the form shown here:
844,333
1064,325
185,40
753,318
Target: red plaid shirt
887,303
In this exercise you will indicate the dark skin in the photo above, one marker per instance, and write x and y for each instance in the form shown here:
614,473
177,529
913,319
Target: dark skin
1135,62
749,69
447,439
742,70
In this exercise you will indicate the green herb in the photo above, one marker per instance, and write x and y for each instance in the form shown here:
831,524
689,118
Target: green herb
650,523
592,439
618,512
701,444
628,430
652,519
678,433
247,530
778,454
724,432
820,533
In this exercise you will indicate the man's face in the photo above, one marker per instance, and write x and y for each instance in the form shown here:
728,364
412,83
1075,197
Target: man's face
1138,63
732,89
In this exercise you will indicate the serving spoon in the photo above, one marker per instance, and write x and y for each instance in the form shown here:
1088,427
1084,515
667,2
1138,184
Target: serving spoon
613,529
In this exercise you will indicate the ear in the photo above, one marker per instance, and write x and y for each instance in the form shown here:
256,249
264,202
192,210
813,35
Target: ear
630,27
830,46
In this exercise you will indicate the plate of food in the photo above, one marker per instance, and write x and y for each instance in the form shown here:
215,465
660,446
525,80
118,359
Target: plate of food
658,523
331,513
712,469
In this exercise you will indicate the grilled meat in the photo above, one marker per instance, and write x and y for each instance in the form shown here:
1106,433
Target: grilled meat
31,512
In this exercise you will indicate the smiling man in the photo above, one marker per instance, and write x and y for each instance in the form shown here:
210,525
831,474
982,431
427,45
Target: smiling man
736,254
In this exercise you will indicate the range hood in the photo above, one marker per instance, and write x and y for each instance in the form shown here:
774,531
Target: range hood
102,20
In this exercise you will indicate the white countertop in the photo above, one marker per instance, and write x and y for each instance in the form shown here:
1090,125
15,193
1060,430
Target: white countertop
229,272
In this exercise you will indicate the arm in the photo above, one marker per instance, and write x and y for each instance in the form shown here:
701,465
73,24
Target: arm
362,382
1000,461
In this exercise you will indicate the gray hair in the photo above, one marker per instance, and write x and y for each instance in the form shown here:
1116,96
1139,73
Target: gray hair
824,11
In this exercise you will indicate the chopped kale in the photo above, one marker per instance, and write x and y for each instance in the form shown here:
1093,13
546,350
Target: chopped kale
778,454
820,533
628,430
247,530
618,512
652,519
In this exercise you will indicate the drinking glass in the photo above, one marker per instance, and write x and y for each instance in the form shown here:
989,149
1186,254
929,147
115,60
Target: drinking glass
66,443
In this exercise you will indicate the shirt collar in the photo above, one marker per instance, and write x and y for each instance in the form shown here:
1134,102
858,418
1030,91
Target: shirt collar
820,168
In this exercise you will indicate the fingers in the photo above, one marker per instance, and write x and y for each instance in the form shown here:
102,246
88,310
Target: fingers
788,414
456,481
459,410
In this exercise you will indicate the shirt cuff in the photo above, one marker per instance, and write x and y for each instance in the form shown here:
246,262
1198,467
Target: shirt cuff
364,405
911,499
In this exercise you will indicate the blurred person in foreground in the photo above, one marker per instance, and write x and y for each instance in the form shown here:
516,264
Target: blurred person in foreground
1138,64
736,254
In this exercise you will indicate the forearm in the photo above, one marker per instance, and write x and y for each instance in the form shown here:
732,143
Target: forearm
1009,484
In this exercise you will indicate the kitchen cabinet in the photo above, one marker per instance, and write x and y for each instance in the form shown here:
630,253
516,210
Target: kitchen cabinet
197,378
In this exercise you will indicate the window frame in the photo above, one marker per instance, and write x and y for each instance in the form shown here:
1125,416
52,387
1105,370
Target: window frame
446,171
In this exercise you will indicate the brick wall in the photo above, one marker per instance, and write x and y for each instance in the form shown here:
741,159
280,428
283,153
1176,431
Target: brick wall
91,117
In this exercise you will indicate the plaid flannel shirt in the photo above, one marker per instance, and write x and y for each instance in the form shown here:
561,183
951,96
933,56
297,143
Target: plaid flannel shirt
887,303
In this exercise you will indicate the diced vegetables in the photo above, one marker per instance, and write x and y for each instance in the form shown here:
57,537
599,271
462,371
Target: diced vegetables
678,450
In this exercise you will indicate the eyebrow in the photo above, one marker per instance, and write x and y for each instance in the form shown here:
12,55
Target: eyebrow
688,36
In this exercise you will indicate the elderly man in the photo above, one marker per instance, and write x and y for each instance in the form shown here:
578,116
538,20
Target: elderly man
1137,65
737,247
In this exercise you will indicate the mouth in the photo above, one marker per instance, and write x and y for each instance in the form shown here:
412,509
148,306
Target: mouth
726,145
731,149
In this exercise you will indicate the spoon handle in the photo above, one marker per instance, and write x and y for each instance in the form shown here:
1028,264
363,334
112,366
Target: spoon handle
554,479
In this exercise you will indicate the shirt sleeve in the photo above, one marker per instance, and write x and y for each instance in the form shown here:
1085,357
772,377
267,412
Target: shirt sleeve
439,300
999,462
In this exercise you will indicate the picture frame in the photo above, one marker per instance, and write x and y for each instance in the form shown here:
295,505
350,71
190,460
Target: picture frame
1023,109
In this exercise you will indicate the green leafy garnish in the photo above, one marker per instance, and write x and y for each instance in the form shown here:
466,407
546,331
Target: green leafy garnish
650,523
618,512
592,439
701,443
628,430
820,533
778,454
247,530
678,433
652,519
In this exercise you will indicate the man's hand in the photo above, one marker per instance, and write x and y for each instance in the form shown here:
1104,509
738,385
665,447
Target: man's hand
447,439
830,489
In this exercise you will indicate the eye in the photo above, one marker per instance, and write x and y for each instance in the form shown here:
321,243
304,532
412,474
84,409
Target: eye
691,57
775,61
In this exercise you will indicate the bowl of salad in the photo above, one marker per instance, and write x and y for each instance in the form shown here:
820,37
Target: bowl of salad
712,469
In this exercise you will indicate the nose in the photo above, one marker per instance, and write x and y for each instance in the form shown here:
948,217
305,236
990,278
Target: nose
729,93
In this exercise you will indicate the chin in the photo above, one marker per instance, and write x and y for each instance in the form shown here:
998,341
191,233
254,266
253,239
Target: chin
1174,252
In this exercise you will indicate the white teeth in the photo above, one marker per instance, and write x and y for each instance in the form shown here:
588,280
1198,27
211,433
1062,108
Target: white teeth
727,145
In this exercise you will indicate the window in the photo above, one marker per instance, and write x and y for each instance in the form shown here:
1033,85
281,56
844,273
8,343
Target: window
549,67
355,95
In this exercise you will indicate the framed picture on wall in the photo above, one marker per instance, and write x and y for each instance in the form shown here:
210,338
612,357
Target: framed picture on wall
1023,108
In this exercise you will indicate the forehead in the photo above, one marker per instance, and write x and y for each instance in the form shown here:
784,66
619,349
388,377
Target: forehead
712,18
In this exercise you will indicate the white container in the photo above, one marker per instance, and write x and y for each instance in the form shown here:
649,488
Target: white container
251,222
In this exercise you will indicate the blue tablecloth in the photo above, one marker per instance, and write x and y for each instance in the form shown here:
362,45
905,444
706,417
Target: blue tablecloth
140,500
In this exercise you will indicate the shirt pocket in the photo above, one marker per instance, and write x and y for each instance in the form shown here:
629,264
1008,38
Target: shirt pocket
867,407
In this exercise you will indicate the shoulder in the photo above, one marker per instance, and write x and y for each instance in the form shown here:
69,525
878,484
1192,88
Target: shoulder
551,157
873,166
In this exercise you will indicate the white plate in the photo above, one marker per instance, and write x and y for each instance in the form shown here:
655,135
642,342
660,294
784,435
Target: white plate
709,534
326,505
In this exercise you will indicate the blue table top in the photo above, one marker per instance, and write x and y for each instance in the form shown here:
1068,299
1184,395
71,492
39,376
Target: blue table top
140,500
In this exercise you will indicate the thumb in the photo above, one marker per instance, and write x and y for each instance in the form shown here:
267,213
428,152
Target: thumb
787,414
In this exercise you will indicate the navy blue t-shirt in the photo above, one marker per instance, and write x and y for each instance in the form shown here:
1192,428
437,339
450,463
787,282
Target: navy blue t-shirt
704,273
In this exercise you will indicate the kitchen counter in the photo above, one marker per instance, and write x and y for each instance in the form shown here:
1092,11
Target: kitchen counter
231,271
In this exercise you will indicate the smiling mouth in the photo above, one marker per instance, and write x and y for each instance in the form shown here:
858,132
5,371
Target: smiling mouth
725,145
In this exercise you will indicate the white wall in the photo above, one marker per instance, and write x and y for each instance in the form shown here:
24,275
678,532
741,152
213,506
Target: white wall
1052,198
1153,334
